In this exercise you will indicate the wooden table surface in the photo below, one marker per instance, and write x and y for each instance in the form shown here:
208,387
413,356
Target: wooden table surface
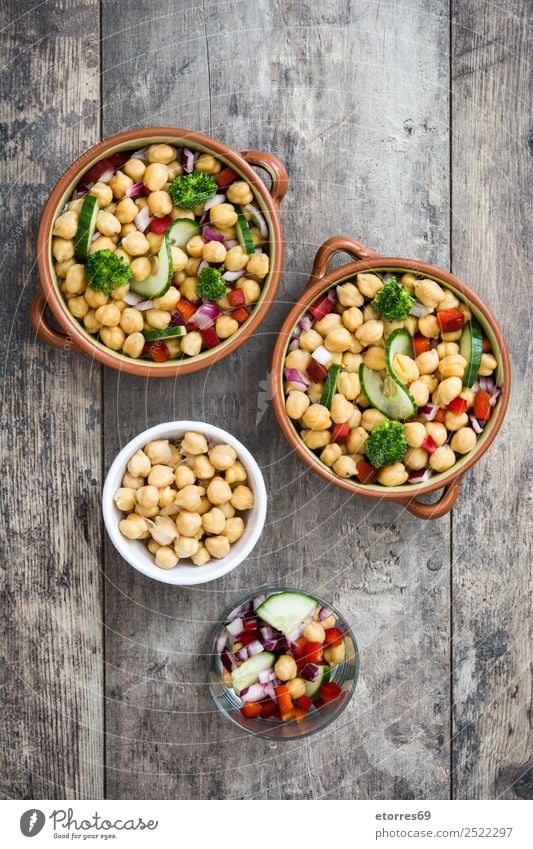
403,123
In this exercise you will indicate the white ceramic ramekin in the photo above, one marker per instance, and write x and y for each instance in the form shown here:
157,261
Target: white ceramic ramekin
185,573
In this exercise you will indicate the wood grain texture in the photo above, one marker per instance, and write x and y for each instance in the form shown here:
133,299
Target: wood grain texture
51,460
366,144
492,213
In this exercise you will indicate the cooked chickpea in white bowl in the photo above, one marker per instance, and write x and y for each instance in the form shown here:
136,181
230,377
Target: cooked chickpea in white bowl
184,502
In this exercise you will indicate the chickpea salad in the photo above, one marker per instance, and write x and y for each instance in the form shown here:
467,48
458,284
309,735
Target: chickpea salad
390,379
278,653
187,499
161,253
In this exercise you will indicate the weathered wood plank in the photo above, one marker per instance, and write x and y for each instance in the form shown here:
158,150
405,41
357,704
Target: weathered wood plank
52,741
492,215
364,135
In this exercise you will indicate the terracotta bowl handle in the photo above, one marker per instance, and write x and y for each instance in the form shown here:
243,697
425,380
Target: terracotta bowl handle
274,168
333,246
440,507
44,331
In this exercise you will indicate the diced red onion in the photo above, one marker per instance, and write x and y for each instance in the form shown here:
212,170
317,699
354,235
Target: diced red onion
214,201
475,386
203,264
322,355
258,251
258,600
95,235
475,424
205,316
135,190
258,218
310,672
232,276
209,234
266,675
253,648
295,376
324,612
268,633
238,611
142,219
228,660
132,299
221,642
107,176
140,154
253,693
419,310
429,411
270,692
144,306
294,345
495,395
242,654
230,243
235,627
419,476
80,191
187,160
306,322
293,386
332,296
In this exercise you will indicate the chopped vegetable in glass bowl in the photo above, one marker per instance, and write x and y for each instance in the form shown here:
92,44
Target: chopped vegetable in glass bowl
161,253
283,664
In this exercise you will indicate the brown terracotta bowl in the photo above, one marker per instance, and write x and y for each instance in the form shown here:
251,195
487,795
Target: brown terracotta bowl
321,281
74,335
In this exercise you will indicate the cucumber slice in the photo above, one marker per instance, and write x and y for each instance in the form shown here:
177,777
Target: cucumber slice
248,672
180,231
471,348
161,277
399,342
329,385
388,395
164,333
312,687
285,611
86,227
243,232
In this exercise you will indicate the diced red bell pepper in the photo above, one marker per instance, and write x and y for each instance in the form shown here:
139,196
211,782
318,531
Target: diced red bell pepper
440,417
304,702
366,472
312,653
240,315
486,347
458,405
429,444
225,178
268,708
209,337
340,433
251,709
236,298
284,699
333,637
482,408
245,639
158,351
185,308
321,308
316,371
160,225
420,344
298,714
330,691
450,320
298,647
319,702
250,626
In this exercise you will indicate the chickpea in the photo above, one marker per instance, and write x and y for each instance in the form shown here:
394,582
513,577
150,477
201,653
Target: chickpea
415,433
394,475
430,381
118,295
464,440
296,688
159,203
120,183
329,322
437,431
135,169
133,345
335,654
447,349
165,557
442,459
408,281
452,337
158,451
258,265
133,526
103,194
194,443
202,557
218,546
202,468
285,667
188,523
123,255
449,301
155,177
102,243
125,499
427,362
239,192
107,224
316,438
452,366
61,268
369,284
345,466
126,229
429,293
90,323
66,225
390,326
113,337
160,476
317,417
157,318
405,368
242,497
341,409
175,455
208,164
236,258
213,521
355,419
348,385
191,344
160,152
338,340
147,512
155,240
374,358
488,364
352,318
131,481
429,327
225,326
415,458
420,392
214,252
349,295
447,390
148,496
370,332
236,473
251,290
184,476
411,324
469,396
371,418
222,456
298,359
356,440
75,282
139,465
136,244
233,528
310,340
223,215
351,362
62,249
163,530
189,498
179,258
219,492
152,546
167,497
454,423
186,546
108,315
131,320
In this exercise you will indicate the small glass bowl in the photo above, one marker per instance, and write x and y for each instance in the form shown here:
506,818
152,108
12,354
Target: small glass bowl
345,675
